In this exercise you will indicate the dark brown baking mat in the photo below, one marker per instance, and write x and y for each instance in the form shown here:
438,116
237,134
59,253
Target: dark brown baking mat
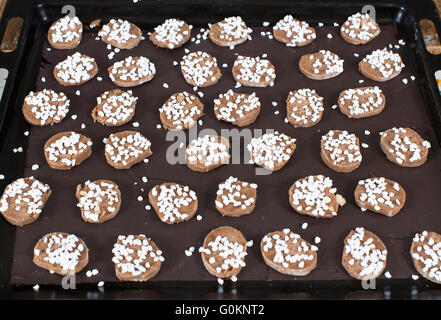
404,107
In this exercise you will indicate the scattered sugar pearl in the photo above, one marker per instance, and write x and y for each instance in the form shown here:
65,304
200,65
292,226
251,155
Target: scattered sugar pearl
274,103
412,78
26,133
367,132
49,49
321,24
334,106
77,92
200,94
329,36
135,124
188,253
317,240
43,79
220,281
356,55
200,122
305,225
415,277
83,126
225,65
165,85
99,78
101,283
2,177
36,287
335,24
265,24
147,207
175,63
144,179
198,217
404,81
234,278
360,81
74,117
158,126
276,112
140,198
35,167
250,243
146,160
20,149
88,273
387,275
365,145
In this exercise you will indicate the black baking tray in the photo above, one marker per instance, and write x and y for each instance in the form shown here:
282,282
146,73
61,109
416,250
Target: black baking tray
23,65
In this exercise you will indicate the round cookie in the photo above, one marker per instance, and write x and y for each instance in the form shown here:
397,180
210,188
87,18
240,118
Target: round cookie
171,34
304,108
23,200
68,149
136,258
229,32
120,34
200,69
359,29
207,153
181,111
426,255
240,109
236,198
132,71
293,32
364,254
61,253
380,195
271,151
65,33
223,252
404,147
45,107
381,65
126,148
321,65
98,200
361,102
340,151
114,107
254,72
287,253
76,69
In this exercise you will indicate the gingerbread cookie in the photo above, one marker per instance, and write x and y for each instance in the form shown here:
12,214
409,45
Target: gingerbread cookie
114,107
76,69
364,254
254,72
98,200
236,198
404,146
223,252
68,149
359,29
361,102
45,107
207,153
23,200
340,151
181,111
381,65
380,195
120,34
136,258
287,253
65,33
61,253
271,151
171,34
240,109
126,148
229,32
426,255
132,71
200,69
304,108
321,65
173,203
293,32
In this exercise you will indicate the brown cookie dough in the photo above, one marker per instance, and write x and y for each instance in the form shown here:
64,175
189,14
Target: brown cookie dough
229,32
181,111
68,149
404,147
321,65
136,258
171,34
126,148
381,65
223,252
364,254
61,253
426,255
340,151
76,69
361,102
173,203
65,33
200,69
254,72
359,29
304,108
45,107
380,195
287,253
240,109
132,71
207,153
236,198
120,34
271,151
23,200
293,32
98,200
114,107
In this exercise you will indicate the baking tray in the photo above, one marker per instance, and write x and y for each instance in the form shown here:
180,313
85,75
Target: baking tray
24,65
